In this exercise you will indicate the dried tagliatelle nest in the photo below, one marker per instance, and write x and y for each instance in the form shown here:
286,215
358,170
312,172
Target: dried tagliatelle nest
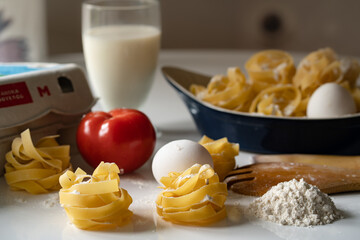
275,86
95,202
36,168
223,154
192,197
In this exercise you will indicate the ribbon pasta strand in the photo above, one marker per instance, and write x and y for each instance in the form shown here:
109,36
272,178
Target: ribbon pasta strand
36,169
193,197
95,202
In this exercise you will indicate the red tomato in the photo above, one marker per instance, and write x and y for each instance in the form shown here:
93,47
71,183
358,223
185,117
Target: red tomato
123,136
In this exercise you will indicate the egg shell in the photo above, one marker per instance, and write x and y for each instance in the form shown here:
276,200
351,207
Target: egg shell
177,156
330,100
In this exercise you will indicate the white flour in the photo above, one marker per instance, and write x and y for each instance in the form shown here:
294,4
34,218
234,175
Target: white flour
295,203
52,200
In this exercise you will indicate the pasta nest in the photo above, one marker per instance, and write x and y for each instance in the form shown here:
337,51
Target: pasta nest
36,169
193,197
95,202
223,154
324,66
271,66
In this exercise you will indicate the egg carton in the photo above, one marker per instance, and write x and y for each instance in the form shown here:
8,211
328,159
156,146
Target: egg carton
47,98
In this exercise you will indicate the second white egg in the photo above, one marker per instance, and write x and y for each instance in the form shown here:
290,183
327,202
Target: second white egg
330,100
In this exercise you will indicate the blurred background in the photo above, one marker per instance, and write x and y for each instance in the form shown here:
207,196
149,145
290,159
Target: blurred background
301,25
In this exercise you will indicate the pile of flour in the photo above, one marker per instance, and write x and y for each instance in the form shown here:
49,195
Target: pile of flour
295,203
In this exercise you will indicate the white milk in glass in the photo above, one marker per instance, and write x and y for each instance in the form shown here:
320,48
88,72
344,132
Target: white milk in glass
121,61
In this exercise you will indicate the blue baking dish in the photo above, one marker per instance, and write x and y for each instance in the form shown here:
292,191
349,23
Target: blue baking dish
266,134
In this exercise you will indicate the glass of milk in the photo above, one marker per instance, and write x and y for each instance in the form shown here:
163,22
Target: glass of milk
121,41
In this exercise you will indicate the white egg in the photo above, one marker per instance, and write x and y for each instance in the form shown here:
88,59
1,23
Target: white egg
330,100
178,156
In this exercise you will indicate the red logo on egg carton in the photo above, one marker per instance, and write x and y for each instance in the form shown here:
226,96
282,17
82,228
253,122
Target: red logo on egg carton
14,94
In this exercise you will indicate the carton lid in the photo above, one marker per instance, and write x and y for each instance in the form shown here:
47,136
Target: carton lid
38,89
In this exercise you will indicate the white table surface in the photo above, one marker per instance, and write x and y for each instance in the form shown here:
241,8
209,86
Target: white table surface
25,216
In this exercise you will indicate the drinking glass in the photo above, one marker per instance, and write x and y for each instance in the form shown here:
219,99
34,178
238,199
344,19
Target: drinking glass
121,41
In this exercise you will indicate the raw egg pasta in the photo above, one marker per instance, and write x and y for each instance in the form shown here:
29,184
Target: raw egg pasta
36,169
275,86
230,92
223,154
271,66
323,66
280,100
95,202
315,69
193,197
